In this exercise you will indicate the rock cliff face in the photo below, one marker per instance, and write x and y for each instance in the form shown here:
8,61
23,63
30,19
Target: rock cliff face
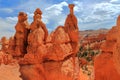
107,63
116,52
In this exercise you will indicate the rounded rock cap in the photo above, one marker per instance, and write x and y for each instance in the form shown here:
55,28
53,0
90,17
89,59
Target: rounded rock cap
38,11
71,5
22,14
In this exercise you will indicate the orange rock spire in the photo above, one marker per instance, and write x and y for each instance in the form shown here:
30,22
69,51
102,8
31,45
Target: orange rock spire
38,33
20,38
71,7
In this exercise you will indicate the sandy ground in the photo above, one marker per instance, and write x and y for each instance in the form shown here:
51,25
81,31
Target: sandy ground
9,72
84,76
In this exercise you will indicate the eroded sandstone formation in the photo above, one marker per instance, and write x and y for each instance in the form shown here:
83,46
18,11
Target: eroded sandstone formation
71,27
107,63
48,53
38,33
11,46
20,38
4,43
116,52
43,56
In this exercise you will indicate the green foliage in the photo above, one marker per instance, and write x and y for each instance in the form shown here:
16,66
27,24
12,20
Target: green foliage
88,54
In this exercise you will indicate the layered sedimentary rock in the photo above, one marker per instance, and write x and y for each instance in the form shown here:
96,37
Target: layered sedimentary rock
107,63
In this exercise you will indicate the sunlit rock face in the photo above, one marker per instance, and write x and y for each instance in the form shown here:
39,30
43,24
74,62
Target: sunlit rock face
42,56
20,37
111,40
47,54
11,46
116,52
71,27
38,34
4,43
60,36
107,63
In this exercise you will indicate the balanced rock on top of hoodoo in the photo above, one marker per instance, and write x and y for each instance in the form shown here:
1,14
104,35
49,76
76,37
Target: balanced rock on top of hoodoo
71,25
